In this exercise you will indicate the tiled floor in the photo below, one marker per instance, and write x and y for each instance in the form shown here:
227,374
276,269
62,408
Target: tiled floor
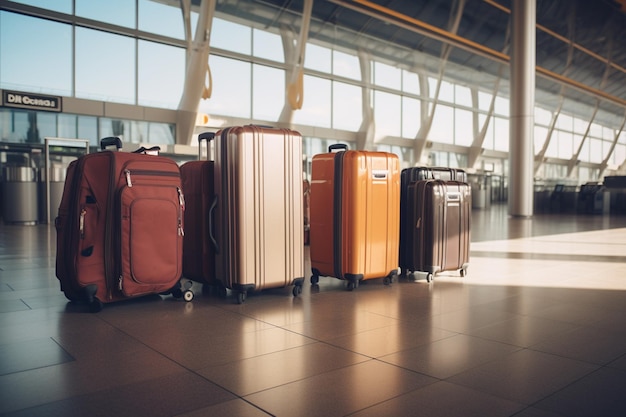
537,328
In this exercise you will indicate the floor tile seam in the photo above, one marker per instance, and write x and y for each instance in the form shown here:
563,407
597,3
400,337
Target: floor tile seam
486,339
529,405
611,366
96,391
43,366
396,396
535,348
329,342
339,368
563,388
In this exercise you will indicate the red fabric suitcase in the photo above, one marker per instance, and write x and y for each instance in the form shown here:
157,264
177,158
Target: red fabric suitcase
120,227
199,189
437,227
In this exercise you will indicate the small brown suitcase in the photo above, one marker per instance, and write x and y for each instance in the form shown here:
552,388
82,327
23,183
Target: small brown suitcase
438,217
407,177
120,227
355,201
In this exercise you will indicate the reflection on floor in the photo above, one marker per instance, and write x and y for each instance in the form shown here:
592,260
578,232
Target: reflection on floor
537,328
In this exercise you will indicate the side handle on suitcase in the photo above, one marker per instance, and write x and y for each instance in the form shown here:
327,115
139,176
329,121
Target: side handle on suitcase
211,235
110,141
338,146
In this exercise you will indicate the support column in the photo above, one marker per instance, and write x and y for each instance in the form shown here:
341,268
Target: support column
196,72
521,158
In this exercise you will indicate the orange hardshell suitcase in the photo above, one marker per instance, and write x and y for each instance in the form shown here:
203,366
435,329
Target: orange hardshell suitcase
258,222
120,227
355,225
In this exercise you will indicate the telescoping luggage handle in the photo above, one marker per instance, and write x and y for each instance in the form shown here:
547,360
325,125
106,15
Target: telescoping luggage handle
338,147
153,150
205,137
110,141
208,137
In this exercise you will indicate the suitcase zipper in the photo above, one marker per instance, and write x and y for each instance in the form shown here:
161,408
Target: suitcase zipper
128,174
81,223
181,208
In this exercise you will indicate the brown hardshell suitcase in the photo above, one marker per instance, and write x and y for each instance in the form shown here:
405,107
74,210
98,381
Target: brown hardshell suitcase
258,222
120,227
354,232
437,225
198,186
409,176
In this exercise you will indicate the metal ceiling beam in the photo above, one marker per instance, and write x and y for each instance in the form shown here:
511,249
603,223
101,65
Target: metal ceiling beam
564,39
391,16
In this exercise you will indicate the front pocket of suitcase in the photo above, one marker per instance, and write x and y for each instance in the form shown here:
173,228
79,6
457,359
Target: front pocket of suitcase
151,240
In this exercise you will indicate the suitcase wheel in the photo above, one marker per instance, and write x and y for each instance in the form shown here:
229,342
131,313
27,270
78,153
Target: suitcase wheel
241,297
315,279
188,295
429,277
297,290
463,272
351,285
95,305
223,292
387,280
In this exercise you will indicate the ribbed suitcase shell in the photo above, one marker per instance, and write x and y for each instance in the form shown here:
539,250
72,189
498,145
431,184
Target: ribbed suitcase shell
407,177
119,228
355,198
259,215
438,215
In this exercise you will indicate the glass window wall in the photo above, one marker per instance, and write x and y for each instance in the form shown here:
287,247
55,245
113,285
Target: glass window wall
108,75
116,12
39,59
268,92
161,74
231,88
316,110
161,18
347,106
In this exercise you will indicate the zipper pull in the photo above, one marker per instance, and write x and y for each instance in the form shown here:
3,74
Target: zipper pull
128,181
181,198
181,205
81,223
120,286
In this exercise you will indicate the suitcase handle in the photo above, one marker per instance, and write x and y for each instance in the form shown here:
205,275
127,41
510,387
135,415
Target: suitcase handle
208,136
211,236
154,150
205,136
338,146
110,141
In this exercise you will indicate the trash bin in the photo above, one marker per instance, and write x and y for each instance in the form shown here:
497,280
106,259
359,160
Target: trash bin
19,197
